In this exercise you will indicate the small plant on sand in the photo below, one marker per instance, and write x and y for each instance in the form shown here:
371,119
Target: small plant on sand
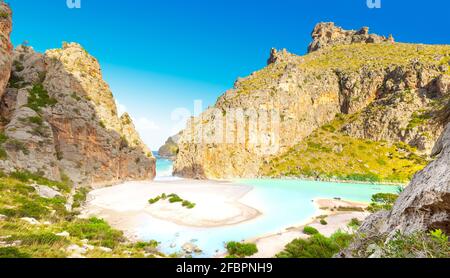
154,200
240,250
323,222
310,230
188,204
172,198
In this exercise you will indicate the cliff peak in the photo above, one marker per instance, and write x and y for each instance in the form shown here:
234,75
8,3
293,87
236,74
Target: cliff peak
328,34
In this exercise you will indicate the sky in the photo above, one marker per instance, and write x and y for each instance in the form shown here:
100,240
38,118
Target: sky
159,56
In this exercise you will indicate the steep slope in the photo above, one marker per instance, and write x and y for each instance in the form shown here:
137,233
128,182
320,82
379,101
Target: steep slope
392,91
5,46
424,206
60,120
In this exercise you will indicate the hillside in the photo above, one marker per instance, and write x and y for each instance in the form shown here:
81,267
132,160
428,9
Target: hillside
59,118
356,88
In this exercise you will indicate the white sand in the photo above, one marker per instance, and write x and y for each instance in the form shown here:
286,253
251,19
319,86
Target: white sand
217,203
126,208
272,244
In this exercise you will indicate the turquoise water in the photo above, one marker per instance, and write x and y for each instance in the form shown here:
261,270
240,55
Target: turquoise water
286,203
164,167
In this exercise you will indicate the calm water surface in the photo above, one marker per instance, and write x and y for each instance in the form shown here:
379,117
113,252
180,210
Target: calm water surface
286,203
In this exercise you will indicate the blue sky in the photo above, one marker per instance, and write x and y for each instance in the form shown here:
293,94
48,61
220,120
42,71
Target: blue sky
161,55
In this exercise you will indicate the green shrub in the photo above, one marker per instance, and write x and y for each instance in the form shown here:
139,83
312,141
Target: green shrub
382,201
354,223
36,120
25,176
154,200
3,139
175,199
80,197
75,96
4,15
143,245
317,246
323,222
340,208
18,65
43,238
12,253
27,208
432,245
310,230
3,154
188,204
39,98
16,81
241,250
95,230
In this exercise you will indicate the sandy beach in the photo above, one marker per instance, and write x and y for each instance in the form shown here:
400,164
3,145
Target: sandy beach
216,203
271,244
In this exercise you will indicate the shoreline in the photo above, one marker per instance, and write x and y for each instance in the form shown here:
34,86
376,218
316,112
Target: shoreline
334,180
218,204
273,243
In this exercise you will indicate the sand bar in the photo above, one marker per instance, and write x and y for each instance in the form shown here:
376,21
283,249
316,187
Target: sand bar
217,203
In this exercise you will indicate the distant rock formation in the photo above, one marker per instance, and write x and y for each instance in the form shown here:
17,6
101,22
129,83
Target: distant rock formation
60,120
389,92
170,149
327,34
6,47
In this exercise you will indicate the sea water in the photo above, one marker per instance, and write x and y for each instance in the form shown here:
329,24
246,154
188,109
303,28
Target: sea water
286,203
164,168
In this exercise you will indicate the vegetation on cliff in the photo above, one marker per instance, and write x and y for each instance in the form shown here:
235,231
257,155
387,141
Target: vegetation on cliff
328,153
37,226
387,97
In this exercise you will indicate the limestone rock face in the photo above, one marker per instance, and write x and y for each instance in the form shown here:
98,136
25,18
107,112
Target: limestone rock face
6,47
423,206
327,34
406,96
62,121
170,149
393,92
129,133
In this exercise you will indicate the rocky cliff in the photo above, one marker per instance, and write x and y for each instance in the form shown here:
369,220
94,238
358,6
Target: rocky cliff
5,46
424,206
352,85
59,119
170,148
327,34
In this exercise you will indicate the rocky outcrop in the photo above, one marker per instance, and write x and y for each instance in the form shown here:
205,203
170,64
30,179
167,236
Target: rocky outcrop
129,133
170,149
423,206
5,46
326,34
61,121
392,91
